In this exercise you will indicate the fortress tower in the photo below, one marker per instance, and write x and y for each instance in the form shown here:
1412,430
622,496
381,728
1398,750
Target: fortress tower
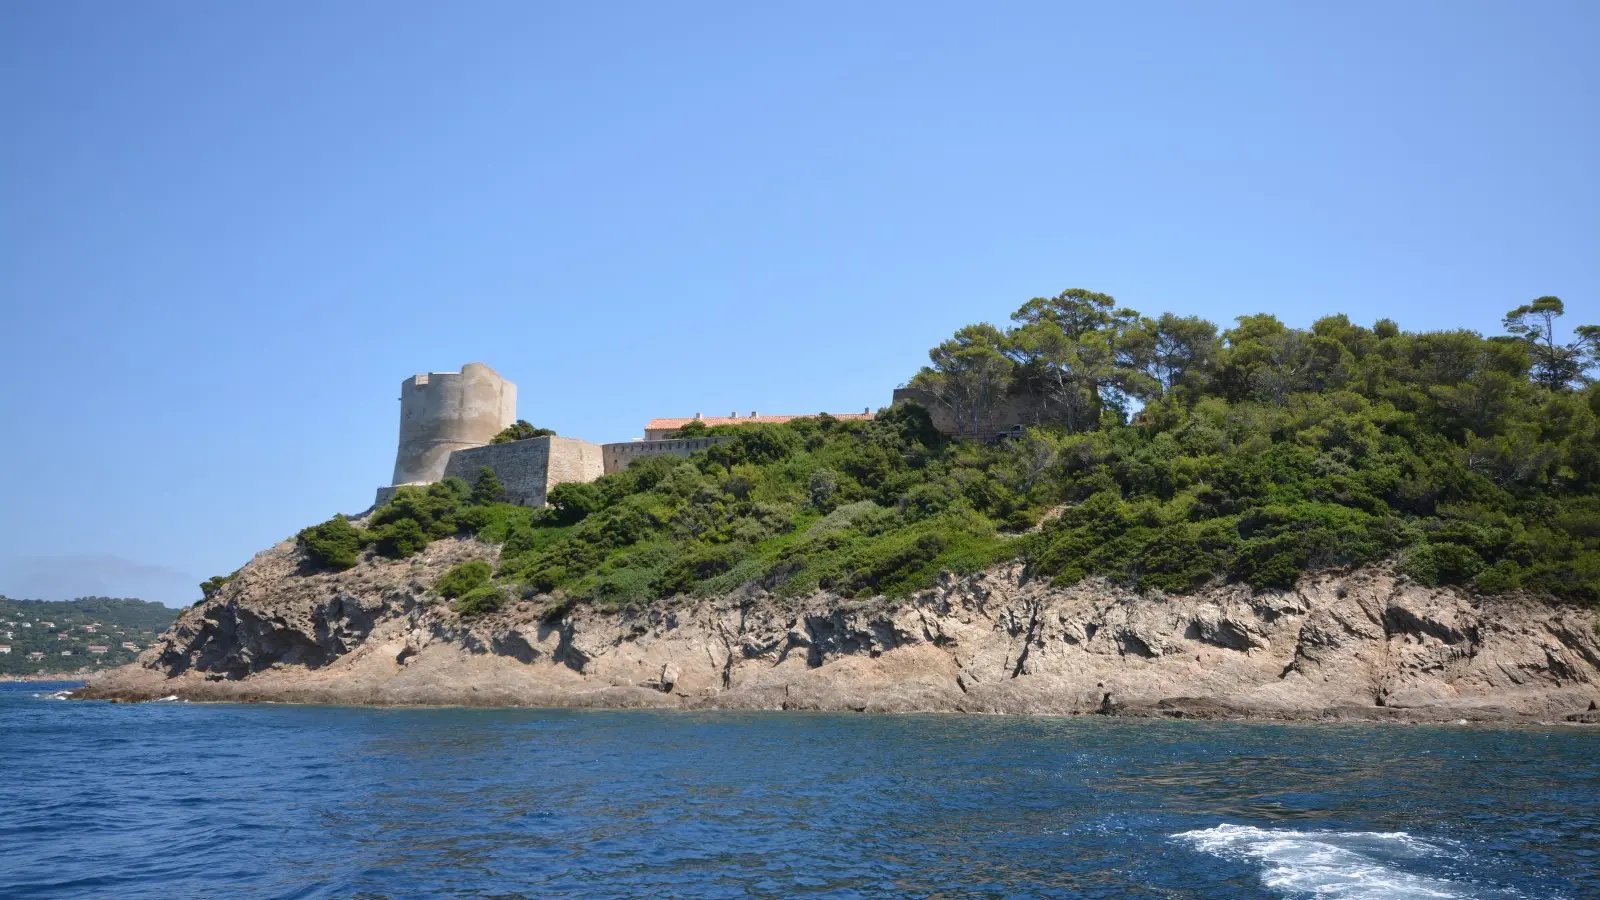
447,420
442,412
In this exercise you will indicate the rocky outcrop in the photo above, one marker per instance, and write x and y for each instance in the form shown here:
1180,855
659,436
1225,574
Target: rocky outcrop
1347,645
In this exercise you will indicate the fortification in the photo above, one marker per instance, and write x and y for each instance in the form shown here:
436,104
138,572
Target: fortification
620,455
528,469
447,420
662,429
442,412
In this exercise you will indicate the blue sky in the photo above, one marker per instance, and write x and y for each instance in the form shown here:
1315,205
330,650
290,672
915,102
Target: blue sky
228,231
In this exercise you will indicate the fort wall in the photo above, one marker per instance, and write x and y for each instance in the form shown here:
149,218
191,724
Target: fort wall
572,459
621,455
528,469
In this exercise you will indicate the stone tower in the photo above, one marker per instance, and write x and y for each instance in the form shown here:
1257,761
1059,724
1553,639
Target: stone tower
442,412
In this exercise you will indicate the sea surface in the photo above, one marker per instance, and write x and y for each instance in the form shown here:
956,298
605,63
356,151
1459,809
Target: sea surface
172,800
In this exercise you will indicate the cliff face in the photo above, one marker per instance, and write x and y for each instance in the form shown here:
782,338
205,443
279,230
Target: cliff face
1362,645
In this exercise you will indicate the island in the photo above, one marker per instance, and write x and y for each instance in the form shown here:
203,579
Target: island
1090,510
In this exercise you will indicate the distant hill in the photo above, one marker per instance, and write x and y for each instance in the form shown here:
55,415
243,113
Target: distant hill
31,627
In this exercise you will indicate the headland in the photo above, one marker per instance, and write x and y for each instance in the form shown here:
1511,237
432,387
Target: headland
1092,511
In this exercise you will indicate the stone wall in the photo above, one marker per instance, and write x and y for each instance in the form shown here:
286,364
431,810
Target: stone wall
620,456
572,459
529,468
442,412
385,494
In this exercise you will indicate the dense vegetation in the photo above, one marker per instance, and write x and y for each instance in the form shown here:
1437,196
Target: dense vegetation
520,430
34,626
1161,453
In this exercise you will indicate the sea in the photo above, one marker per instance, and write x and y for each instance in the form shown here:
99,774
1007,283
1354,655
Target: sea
174,800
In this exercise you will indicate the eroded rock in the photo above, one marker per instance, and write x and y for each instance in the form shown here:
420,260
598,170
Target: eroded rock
1359,645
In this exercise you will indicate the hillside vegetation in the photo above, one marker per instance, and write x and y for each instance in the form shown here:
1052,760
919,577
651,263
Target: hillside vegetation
1163,454
35,626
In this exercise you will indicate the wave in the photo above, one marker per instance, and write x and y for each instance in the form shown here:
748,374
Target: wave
1331,865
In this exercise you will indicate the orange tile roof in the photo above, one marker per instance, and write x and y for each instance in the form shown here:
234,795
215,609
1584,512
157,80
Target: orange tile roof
675,424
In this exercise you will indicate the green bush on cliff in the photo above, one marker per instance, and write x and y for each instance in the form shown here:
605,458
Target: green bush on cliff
415,517
400,539
461,579
212,585
1436,564
335,544
485,598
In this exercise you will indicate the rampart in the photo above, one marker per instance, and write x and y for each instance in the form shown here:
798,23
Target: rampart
662,429
620,456
529,469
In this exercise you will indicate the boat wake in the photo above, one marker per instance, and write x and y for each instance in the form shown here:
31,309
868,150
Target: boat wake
1333,865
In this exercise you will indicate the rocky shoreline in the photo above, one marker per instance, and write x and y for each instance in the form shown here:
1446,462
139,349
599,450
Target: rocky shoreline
1365,645
50,677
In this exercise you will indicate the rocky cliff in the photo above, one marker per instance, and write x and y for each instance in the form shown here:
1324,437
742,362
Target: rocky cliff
1352,645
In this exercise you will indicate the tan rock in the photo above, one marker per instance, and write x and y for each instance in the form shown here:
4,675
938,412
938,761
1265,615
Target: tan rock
1357,645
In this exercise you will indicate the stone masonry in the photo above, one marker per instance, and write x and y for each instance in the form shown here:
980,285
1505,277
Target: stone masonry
448,419
530,468
621,455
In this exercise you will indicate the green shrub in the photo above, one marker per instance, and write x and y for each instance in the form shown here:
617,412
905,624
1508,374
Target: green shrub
1436,564
462,579
889,566
694,566
842,518
572,502
821,488
335,544
212,585
520,431
483,599
487,488
400,539
1184,556
1502,577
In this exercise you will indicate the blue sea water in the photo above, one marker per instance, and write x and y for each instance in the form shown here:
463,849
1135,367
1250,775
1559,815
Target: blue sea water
186,800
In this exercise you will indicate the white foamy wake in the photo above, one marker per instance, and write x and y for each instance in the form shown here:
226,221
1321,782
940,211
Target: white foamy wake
1329,865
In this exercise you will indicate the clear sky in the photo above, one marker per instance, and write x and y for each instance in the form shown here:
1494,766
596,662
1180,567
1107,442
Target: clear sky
229,230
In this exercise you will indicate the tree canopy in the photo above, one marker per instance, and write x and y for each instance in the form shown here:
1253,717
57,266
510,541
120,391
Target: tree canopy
520,431
1161,452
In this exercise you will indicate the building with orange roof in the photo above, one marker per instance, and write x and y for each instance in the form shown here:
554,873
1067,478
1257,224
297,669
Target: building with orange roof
660,429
